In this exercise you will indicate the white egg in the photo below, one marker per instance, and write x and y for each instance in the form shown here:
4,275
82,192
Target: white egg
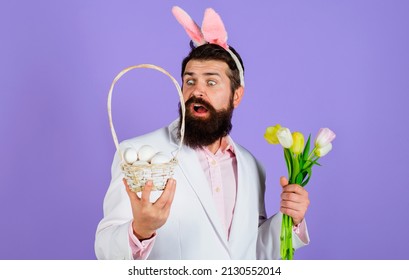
160,158
130,155
146,152
140,162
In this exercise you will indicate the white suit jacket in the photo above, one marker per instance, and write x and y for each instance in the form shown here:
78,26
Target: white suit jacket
194,229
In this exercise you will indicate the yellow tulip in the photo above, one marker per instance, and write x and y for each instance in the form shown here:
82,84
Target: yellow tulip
271,134
298,143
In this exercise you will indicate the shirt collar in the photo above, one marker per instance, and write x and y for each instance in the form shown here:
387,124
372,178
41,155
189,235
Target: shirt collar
226,145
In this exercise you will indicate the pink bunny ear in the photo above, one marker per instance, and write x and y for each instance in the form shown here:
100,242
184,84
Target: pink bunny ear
192,29
213,29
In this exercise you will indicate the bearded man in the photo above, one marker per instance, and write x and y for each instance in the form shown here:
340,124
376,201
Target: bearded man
213,207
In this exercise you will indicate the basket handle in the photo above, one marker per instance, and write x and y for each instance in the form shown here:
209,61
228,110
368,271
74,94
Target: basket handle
160,69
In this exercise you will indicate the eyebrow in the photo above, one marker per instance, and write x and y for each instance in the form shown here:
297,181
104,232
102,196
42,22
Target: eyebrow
205,74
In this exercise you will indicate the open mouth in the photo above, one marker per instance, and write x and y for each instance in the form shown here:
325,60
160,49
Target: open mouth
199,109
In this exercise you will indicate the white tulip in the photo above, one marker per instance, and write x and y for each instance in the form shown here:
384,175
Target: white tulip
322,151
324,137
284,137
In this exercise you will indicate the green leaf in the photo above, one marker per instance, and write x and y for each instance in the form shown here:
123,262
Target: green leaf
306,151
316,162
301,176
308,178
288,161
307,164
302,161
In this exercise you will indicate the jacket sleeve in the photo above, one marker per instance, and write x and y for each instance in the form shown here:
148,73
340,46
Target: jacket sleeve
112,235
268,241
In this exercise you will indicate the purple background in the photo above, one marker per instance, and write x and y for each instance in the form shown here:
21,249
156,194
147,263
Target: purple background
309,64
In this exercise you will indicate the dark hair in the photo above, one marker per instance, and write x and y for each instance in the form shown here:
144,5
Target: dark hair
216,52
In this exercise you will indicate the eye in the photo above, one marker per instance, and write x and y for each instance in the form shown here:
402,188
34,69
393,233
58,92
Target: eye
190,82
211,83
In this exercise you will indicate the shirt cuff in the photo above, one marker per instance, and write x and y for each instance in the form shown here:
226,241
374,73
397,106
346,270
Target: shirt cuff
301,231
140,249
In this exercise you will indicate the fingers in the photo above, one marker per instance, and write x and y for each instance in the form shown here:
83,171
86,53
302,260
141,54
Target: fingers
297,216
294,193
165,200
297,206
148,216
294,202
173,191
146,192
283,181
125,182
295,210
132,195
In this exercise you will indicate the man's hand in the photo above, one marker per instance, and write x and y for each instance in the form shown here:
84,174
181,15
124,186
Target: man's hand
147,216
294,201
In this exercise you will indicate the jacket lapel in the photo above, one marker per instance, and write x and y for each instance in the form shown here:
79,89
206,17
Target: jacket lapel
239,225
192,170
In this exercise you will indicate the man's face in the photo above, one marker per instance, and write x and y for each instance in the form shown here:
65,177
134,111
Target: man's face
208,80
209,102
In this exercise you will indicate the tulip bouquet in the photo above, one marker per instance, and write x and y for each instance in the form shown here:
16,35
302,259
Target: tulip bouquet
299,160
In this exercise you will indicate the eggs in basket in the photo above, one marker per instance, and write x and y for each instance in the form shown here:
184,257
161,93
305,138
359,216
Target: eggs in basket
145,164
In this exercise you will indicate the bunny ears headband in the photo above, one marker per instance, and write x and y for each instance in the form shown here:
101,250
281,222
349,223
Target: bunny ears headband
212,31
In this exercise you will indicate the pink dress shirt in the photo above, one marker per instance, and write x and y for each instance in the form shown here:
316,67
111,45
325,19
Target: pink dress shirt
221,172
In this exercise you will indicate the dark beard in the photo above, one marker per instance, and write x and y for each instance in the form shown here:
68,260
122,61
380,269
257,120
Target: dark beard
201,132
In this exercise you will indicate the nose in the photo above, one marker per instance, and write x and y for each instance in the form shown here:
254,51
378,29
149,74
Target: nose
198,90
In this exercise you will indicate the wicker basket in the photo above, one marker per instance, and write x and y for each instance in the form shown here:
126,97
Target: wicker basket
137,175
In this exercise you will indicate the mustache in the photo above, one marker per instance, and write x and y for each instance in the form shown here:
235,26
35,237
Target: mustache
199,100
203,132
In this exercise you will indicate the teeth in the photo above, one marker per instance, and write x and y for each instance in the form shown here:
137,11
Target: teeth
196,107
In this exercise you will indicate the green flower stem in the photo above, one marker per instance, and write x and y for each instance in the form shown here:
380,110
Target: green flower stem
288,161
299,172
296,170
286,240
312,154
286,246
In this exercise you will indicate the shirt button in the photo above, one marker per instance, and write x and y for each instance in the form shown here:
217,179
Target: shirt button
218,189
214,162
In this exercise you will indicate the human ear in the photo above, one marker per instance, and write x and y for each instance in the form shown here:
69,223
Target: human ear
237,96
